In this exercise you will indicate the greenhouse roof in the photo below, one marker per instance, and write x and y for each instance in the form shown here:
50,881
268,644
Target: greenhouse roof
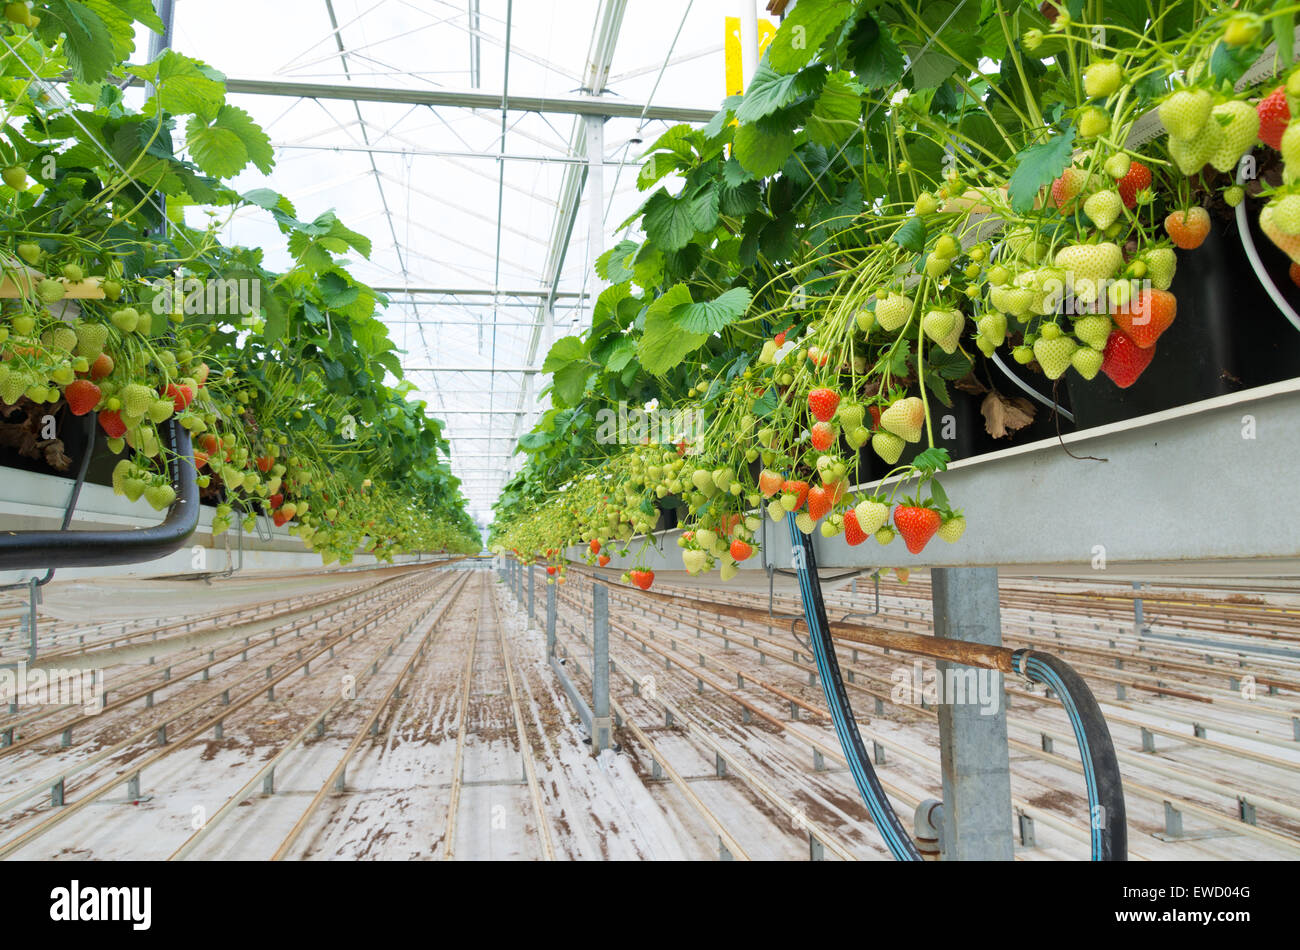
419,122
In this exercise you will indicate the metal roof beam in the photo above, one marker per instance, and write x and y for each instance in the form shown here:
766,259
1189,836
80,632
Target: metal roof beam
469,99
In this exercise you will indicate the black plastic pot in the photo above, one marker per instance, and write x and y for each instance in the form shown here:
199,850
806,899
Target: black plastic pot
1228,335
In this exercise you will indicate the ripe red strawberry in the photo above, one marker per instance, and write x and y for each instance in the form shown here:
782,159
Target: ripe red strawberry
875,417
276,500
603,560
210,443
1146,316
1124,361
101,367
741,551
916,525
1294,272
780,339
594,546
819,503
264,463
1274,115
111,422
82,396
280,519
822,403
769,483
853,532
1137,179
180,394
200,458
643,579
551,570
1189,228
823,436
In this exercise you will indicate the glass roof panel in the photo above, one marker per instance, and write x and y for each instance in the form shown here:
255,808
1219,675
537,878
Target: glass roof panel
450,203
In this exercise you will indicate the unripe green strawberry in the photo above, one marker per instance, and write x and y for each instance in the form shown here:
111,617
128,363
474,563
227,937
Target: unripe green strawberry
50,291
1286,213
13,386
905,418
63,339
729,569
884,535
133,488
871,515
73,273
1086,266
805,522
1093,122
91,338
936,265
1093,330
121,472
159,496
993,327
1054,355
24,324
1161,263
952,529
888,446
944,327
30,252
1023,354
63,375
136,400
1117,165
125,319
1017,301
116,445
893,311
1102,79
775,510
1291,151
695,562
1239,125
947,246
1191,155
1185,113
1233,195
865,320
986,346
1087,361
926,203
1103,208
160,410
857,436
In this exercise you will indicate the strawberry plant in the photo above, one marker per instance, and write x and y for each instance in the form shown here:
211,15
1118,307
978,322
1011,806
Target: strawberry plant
905,192
293,392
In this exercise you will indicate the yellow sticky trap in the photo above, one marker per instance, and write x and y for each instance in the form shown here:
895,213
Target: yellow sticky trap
731,47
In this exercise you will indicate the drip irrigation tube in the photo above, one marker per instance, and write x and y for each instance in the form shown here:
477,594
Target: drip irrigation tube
897,839
30,550
1107,818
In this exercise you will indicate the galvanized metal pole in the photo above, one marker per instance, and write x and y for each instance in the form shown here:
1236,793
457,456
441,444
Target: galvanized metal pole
972,728
1137,609
550,620
532,571
600,719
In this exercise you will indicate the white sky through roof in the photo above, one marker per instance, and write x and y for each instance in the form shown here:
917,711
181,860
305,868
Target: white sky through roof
433,217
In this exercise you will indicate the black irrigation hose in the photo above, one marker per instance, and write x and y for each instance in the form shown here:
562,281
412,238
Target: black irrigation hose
1108,829
30,550
1107,820
897,839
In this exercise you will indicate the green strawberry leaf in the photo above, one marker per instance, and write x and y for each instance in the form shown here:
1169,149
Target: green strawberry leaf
1037,167
710,316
